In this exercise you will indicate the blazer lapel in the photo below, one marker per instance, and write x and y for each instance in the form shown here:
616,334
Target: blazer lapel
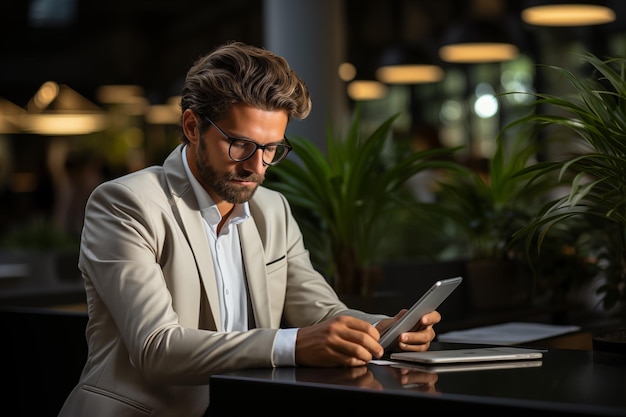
254,264
191,223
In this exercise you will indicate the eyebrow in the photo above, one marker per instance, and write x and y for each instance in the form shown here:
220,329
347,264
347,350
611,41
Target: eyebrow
224,133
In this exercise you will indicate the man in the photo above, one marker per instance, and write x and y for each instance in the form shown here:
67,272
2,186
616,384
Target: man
192,268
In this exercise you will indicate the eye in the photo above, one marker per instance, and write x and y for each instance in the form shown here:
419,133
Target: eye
241,144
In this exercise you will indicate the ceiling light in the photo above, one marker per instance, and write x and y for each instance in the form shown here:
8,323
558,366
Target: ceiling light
58,124
165,114
477,52
410,74
119,93
8,115
359,90
478,41
346,71
401,64
130,98
58,110
567,14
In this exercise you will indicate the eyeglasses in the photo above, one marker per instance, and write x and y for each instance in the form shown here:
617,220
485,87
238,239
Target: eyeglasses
241,149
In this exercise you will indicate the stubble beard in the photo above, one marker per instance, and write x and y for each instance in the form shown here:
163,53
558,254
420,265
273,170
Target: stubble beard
223,185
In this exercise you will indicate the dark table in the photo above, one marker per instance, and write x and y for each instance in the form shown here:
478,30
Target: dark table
568,383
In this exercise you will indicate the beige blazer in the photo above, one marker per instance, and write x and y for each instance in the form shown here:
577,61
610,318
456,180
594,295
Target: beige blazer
154,323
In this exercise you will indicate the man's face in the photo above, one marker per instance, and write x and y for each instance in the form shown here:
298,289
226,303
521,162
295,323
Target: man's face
228,180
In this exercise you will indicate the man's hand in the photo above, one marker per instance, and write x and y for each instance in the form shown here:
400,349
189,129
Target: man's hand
417,339
342,341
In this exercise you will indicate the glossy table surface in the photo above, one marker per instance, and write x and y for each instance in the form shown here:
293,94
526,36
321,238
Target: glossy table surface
567,382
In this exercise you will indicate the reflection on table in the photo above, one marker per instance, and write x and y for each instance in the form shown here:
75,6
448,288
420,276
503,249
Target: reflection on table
565,382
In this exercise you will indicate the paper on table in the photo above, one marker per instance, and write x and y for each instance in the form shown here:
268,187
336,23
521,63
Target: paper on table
506,333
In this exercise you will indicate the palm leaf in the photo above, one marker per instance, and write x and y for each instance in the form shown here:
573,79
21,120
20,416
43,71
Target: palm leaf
352,189
596,114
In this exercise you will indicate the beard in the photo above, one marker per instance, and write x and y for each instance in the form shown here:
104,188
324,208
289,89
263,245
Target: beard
222,184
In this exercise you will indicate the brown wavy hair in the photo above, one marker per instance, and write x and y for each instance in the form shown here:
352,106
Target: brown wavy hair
239,73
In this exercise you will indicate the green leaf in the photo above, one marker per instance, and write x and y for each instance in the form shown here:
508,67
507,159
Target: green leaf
353,188
595,177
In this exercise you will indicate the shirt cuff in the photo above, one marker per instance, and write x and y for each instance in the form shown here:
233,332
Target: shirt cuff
285,347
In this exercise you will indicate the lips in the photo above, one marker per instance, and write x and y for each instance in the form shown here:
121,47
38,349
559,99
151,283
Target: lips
244,182
256,179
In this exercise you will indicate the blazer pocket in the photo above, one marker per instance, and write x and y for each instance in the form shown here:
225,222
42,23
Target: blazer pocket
114,404
276,264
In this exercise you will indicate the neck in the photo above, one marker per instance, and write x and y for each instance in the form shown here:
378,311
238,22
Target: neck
225,209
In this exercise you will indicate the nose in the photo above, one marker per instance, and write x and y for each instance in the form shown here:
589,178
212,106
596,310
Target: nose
255,163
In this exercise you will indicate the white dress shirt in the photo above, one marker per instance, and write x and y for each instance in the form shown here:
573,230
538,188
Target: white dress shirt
229,271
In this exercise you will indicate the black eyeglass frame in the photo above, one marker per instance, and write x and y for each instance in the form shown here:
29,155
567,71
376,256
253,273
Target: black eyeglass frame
257,146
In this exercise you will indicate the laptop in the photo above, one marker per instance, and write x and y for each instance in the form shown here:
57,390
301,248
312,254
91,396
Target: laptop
481,354
468,366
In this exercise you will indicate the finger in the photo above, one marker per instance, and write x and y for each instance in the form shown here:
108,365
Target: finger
417,341
358,344
349,337
431,318
426,320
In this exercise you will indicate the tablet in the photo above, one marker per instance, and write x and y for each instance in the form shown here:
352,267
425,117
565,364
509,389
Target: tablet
431,299
482,354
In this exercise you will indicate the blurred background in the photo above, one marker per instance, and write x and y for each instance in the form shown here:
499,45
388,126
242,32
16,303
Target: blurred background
88,90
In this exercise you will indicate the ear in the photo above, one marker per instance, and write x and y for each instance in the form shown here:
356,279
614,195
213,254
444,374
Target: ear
191,126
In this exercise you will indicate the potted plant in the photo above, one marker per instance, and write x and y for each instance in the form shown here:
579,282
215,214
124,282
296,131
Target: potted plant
596,116
344,200
487,207
484,210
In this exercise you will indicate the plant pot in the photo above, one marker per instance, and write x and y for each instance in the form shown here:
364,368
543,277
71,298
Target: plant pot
612,341
497,285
